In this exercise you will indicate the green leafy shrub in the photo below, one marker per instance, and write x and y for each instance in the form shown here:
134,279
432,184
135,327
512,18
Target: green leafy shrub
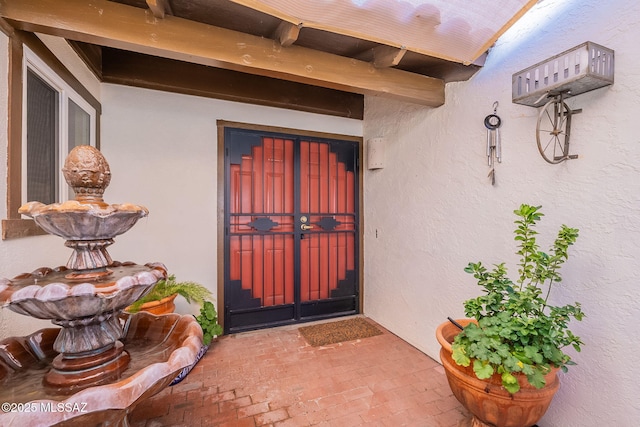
517,330
208,320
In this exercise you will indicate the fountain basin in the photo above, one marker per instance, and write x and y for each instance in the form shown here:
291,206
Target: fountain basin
74,220
89,346
160,347
44,295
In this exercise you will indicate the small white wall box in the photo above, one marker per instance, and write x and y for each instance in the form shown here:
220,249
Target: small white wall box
584,68
375,153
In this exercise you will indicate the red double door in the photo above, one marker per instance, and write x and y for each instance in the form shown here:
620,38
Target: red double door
291,215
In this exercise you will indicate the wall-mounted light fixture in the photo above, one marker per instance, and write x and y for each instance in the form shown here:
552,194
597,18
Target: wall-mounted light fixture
375,153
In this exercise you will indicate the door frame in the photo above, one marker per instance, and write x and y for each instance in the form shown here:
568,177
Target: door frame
221,125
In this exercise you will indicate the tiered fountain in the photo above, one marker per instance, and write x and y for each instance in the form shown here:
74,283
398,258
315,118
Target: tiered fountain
101,363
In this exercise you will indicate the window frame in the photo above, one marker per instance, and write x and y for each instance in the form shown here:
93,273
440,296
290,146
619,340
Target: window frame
14,226
33,63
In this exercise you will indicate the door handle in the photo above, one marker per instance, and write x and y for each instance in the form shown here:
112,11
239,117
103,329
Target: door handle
306,227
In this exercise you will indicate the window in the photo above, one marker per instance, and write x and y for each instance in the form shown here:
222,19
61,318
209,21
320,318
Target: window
55,119
50,112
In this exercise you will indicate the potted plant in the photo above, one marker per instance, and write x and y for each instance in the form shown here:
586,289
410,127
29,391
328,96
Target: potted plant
160,300
512,347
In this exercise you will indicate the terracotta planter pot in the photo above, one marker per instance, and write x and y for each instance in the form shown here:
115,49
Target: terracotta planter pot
487,400
163,306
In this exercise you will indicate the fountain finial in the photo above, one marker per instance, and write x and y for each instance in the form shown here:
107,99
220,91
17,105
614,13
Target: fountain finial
88,173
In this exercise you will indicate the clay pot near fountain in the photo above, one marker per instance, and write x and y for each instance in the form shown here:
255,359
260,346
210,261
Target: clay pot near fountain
100,363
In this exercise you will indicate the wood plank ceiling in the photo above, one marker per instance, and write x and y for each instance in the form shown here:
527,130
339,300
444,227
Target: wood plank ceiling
251,51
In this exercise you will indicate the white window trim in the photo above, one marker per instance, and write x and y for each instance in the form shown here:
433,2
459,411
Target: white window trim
32,62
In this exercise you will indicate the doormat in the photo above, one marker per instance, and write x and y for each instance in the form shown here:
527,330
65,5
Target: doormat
335,332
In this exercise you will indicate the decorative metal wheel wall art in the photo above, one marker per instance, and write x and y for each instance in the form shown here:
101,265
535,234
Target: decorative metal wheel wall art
554,128
549,83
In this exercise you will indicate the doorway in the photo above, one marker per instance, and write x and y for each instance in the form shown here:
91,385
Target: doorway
291,228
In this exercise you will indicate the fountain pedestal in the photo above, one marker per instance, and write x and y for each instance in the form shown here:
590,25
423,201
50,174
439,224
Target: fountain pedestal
71,373
89,258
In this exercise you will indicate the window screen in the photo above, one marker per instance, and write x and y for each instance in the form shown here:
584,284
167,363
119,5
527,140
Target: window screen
42,140
79,126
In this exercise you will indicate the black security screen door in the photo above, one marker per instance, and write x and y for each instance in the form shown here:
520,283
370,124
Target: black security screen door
291,235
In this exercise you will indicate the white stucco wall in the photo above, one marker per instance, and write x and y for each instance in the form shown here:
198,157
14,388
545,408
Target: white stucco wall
72,61
435,210
162,149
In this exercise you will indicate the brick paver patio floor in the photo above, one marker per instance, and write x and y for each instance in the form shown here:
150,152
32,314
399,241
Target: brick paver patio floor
274,378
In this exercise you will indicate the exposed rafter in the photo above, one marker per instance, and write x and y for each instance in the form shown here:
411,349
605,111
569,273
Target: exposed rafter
453,30
115,25
387,56
160,8
287,33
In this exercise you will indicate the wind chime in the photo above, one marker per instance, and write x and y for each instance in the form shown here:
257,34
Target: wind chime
494,149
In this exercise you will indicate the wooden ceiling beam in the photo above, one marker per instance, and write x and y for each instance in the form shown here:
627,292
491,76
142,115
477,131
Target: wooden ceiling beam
152,72
125,27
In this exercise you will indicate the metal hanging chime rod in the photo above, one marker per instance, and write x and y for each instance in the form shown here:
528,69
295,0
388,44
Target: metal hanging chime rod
494,148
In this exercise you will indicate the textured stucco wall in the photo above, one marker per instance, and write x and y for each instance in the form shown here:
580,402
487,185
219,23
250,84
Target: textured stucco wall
72,61
434,209
162,149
